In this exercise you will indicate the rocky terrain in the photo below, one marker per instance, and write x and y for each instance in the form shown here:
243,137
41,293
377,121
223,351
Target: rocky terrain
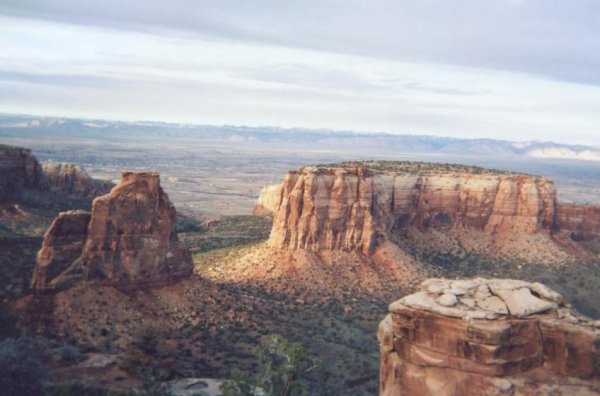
129,240
352,241
487,336
413,209
20,170
71,179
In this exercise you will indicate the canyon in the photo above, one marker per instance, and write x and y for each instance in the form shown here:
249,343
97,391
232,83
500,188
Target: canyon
487,336
344,240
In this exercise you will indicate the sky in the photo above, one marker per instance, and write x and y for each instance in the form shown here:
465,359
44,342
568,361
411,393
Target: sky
503,69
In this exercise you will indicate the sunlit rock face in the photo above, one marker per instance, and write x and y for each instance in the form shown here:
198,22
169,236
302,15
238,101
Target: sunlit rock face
71,179
130,240
487,336
355,208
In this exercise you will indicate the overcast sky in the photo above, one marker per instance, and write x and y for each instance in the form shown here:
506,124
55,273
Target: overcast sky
511,69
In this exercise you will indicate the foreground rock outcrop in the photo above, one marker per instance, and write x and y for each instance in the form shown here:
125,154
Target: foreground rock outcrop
358,206
128,240
71,179
487,337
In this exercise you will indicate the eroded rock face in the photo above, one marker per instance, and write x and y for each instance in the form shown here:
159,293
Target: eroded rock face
71,179
130,240
501,337
63,244
268,200
581,221
18,169
354,208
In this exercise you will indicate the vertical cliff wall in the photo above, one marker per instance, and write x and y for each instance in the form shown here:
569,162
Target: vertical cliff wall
354,208
71,179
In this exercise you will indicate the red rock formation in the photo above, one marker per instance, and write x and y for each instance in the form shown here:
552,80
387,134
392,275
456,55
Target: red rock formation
480,337
131,240
581,221
63,244
354,208
71,179
268,200
18,169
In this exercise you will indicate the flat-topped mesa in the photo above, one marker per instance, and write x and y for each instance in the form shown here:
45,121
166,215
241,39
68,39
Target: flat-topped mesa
355,206
130,240
487,336
71,179
19,169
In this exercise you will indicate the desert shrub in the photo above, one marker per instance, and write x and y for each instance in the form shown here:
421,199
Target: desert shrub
69,353
147,340
285,368
79,389
21,369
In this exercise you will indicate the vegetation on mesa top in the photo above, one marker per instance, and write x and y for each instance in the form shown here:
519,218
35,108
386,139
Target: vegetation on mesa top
416,167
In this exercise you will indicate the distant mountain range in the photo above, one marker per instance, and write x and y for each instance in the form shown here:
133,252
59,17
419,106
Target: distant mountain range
274,137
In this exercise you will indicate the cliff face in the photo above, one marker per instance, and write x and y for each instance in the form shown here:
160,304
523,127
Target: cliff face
71,179
268,200
18,169
497,336
130,240
583,222
63,244
344,208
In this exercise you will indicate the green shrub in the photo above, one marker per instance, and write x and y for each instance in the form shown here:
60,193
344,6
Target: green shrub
21,369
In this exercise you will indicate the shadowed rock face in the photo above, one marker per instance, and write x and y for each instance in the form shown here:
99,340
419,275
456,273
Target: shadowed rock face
583,222
130,240
353,208
495,336
63,244
18,169
71,179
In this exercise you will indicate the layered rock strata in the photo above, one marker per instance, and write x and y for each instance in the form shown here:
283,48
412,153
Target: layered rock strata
268,201
581,221
19,170
354,208
487,336
130,240
71,179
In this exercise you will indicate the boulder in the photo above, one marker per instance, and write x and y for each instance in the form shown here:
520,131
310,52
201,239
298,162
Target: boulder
530,348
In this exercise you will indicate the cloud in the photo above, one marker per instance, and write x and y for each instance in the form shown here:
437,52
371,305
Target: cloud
550,38
420,69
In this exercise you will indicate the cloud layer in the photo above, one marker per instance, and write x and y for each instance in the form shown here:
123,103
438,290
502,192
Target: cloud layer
511,69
